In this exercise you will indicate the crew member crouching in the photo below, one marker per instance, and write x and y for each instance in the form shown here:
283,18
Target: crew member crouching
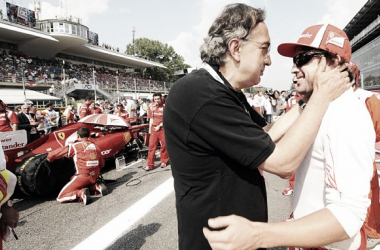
88,162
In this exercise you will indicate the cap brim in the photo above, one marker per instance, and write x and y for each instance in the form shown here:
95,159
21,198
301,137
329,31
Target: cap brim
289,49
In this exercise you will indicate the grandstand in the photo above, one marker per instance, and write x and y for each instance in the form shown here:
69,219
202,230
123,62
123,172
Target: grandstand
364,34
62,59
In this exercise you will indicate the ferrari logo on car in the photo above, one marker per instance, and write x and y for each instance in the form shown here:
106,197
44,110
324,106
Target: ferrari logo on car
61,135
127,137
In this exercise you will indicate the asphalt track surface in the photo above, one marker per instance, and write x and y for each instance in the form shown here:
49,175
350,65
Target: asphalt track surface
138,213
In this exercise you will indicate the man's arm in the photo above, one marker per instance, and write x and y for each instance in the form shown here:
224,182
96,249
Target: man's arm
150,125
58,153
282,125
14,120
373,106
327,86
317,229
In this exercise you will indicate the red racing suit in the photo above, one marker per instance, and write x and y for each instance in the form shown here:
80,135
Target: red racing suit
372,222
88,162
84,111
123,114
156,112
96,110
7,118
70,117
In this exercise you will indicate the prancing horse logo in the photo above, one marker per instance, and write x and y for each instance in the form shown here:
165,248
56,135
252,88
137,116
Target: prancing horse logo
61,135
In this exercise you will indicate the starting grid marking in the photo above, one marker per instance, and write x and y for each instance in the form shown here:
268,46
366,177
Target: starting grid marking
112,231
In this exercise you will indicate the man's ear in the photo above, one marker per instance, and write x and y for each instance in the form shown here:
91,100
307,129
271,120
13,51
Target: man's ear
234,48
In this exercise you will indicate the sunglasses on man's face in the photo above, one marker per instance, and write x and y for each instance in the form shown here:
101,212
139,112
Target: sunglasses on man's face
302,58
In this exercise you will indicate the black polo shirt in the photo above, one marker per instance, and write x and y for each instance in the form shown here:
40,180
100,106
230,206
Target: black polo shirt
215,146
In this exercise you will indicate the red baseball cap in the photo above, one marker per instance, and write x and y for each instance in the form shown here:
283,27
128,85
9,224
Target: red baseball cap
323,36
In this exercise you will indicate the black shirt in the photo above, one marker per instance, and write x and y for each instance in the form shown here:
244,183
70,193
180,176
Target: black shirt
214,147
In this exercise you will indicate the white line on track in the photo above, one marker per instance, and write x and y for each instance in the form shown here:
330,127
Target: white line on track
110,232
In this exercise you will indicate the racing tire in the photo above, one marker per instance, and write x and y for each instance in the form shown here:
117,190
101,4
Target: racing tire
38,177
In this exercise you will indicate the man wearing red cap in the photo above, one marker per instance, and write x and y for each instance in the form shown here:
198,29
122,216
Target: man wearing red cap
330,198
8,119
369,99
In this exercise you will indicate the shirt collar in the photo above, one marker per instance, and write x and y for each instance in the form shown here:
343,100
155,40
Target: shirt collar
212,72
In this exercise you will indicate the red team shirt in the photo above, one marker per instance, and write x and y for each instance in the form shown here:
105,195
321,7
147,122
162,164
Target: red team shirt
157,112
7,118
123,114
84,111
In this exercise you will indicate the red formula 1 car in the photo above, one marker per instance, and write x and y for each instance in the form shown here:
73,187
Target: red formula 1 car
38,177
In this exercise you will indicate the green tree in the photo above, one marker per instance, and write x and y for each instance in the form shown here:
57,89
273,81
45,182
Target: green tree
156,51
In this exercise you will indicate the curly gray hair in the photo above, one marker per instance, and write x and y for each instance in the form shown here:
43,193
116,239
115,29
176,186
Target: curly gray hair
236,21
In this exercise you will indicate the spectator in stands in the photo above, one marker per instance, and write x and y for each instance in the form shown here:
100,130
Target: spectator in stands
84,109
51,90
29,123
12,13
156,130
8,119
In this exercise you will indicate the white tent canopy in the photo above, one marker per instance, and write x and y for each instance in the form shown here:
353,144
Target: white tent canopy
16,96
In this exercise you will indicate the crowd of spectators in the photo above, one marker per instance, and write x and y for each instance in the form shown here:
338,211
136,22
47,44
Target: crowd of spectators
106,46
271,104
15,64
